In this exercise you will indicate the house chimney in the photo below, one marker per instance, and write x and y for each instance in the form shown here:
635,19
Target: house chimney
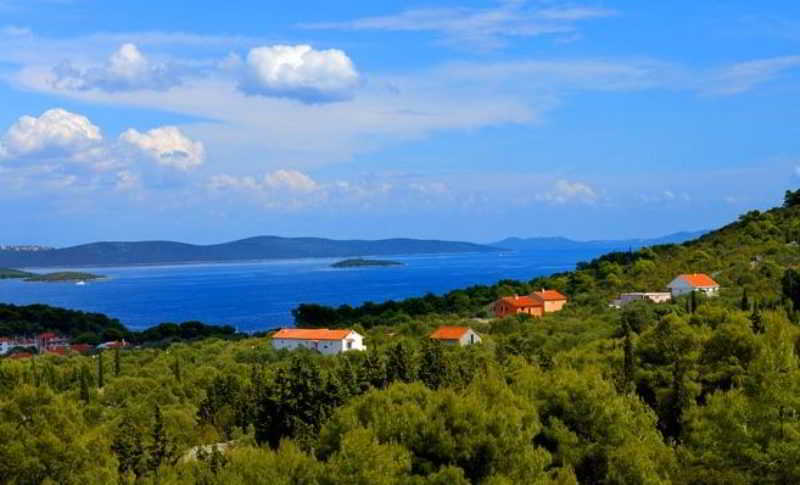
516,297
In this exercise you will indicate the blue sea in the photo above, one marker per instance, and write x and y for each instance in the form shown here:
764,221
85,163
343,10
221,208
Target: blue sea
256,296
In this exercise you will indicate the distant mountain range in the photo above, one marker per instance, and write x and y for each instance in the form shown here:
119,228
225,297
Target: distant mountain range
557,243
255,248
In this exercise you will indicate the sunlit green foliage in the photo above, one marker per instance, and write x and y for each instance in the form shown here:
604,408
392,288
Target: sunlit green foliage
707,393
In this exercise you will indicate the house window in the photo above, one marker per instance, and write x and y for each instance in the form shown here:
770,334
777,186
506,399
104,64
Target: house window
349,345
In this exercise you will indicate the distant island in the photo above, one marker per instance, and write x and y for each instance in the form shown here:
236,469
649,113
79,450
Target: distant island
63,276
361,262
559,243
8,273
252,249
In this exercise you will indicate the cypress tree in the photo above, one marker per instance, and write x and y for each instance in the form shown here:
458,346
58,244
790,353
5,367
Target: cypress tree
630,361
160,450
127,445
116,362
755,319
693,302
176,369
84,383
745,304
35,374
100,376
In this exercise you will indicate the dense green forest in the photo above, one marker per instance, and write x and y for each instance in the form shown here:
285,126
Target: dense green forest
93,328
699,391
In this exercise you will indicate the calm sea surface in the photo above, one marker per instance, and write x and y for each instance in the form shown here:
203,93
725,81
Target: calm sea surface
260,295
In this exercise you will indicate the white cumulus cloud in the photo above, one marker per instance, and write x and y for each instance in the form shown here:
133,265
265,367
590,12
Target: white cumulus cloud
299,72
566,191
126,69
285,180
291,180
167,146
56,132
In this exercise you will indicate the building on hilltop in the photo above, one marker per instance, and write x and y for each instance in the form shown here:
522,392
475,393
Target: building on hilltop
323,340
687,283
552,300
655,297
456,336
515,305
536,304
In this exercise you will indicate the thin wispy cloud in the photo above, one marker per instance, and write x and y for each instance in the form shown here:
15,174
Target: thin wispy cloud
744,76
485,28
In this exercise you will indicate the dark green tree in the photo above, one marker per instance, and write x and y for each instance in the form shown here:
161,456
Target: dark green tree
400,363
160,451
117,363
756,320
176,369
100,375
745,303
791,199
693,301
790,284
294,403
629,366
84,384
128,448
433,368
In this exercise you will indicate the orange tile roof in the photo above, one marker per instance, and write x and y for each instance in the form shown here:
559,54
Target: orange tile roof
21,355
521,301
449,333
549,295
311,334
699,280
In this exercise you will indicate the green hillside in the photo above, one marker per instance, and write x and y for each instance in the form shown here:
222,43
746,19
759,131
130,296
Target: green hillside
698,391
749,255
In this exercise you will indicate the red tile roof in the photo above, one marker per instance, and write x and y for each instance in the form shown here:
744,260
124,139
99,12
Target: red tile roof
47,335
521,301
311,334
699,280
549,295
20,355
449,333
58,351
80,348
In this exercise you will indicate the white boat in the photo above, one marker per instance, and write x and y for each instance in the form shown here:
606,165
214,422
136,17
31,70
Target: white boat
80,283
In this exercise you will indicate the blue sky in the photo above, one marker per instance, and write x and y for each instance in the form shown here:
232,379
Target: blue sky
474,120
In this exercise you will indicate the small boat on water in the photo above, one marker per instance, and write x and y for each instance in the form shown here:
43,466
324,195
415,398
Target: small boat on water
80,283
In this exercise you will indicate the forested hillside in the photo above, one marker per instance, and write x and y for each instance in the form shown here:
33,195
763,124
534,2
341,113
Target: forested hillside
701,391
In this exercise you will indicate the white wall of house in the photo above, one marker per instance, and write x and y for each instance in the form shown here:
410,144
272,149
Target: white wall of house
354,341
469,338
5,347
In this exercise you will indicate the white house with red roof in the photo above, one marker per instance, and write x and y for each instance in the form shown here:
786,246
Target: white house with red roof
323,340
456,335
687,283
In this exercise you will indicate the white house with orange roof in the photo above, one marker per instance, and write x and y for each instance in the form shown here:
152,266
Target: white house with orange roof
687,283
551,300
323,340
456,335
